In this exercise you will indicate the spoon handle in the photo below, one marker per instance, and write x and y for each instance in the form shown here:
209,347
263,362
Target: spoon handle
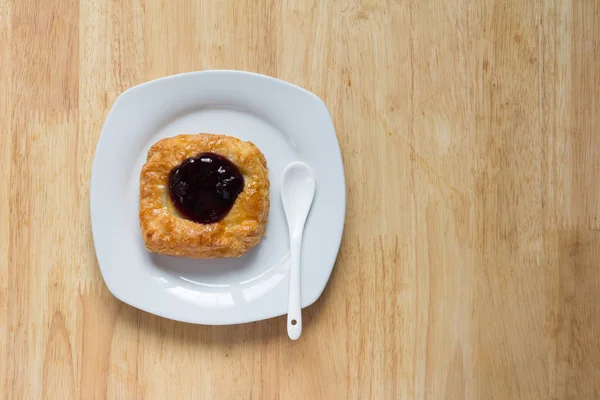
294,317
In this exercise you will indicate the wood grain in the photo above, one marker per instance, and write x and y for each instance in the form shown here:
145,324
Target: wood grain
470,264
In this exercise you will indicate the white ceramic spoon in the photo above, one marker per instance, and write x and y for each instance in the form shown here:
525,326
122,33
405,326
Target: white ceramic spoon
297,193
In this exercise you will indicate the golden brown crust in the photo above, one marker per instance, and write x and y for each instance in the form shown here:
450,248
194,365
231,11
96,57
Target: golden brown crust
165,232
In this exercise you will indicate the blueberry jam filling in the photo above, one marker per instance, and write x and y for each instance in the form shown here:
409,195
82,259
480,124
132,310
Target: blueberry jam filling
204,188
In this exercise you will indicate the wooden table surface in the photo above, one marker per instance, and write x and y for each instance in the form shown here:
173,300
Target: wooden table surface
470,263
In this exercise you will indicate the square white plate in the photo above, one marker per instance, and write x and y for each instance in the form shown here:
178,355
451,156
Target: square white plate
288,124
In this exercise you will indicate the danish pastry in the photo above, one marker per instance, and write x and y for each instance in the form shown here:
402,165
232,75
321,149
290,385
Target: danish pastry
203,196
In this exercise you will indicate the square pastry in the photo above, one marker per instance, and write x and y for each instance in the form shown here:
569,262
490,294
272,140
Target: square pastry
203,196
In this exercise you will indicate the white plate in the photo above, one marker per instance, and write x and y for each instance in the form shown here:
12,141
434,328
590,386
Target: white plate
288,124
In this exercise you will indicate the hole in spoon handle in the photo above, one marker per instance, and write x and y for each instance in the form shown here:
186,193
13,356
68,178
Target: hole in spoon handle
294,325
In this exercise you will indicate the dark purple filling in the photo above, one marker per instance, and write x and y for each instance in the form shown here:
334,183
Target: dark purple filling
204,188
